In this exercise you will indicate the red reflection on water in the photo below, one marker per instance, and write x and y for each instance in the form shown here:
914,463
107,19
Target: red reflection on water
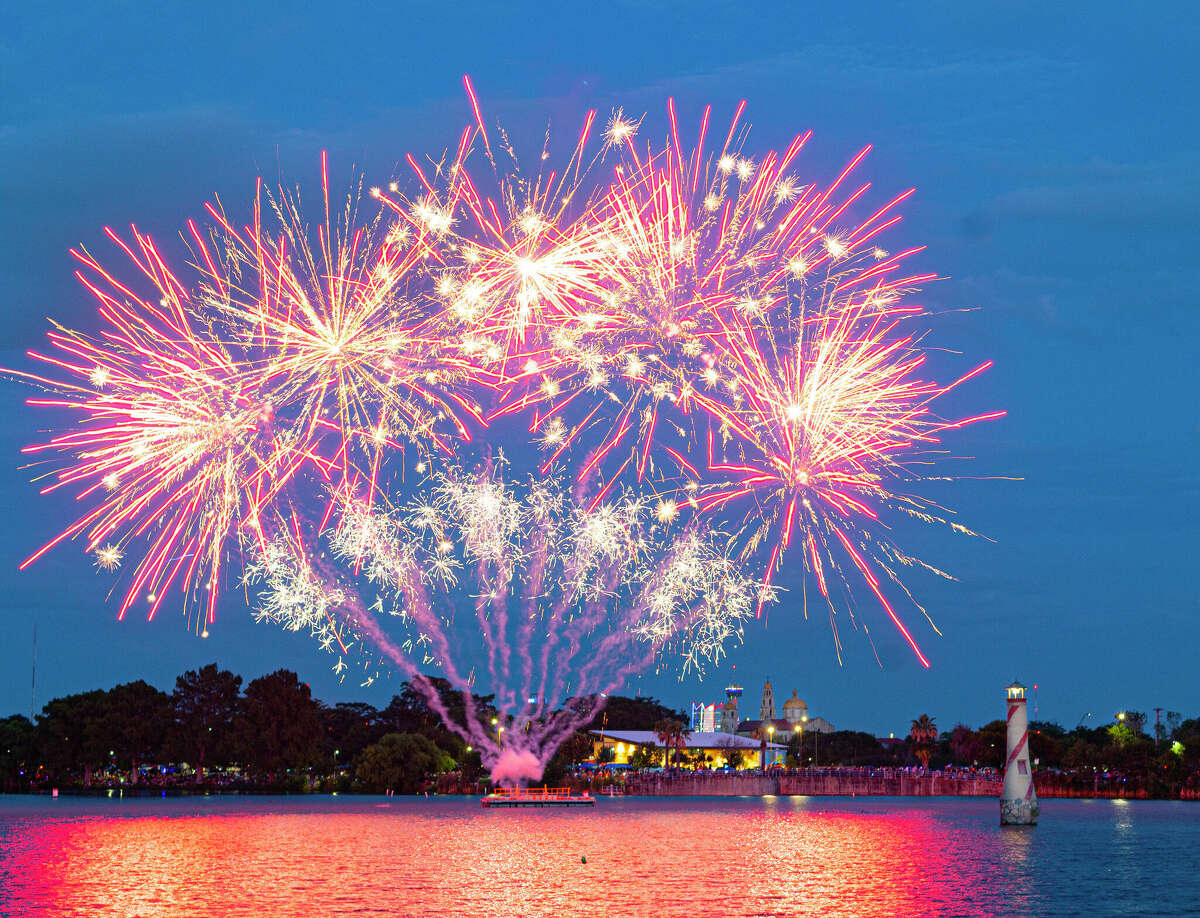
781,856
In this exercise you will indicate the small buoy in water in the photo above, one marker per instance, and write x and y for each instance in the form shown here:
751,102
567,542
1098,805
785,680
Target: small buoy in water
583,860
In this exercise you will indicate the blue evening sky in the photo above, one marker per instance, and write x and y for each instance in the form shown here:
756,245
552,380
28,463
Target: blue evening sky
1055,152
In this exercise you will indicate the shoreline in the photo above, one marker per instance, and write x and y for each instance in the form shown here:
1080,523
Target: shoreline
685,787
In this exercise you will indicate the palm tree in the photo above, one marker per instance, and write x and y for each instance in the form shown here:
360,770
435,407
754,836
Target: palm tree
922,736
764,732
671,733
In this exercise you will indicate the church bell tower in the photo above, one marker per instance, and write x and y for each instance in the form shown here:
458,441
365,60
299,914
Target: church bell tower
767,711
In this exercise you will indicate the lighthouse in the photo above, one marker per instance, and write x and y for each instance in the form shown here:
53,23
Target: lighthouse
1018,802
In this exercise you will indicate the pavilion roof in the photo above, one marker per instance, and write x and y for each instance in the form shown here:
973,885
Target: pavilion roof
694,740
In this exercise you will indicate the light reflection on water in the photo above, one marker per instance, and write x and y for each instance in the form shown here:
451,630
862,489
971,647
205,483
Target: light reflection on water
224,857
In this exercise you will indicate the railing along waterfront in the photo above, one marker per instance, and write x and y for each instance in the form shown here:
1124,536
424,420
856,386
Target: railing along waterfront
532,793
848,782
891,782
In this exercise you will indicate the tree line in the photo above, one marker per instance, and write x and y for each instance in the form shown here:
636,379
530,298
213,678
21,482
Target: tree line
270,734
1161,758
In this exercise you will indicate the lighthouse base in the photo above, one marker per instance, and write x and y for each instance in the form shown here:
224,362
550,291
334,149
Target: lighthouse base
1019,812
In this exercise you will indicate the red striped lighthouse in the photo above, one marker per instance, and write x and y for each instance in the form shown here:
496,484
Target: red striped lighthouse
1018,801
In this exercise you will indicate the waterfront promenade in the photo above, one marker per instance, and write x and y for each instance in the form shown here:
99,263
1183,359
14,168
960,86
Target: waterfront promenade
817,782
886,782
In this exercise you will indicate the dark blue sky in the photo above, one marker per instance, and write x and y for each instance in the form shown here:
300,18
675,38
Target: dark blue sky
1056,153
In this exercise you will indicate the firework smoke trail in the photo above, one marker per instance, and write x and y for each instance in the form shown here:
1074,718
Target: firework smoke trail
625,591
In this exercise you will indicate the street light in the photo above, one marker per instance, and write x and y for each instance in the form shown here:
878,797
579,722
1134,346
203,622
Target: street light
771,734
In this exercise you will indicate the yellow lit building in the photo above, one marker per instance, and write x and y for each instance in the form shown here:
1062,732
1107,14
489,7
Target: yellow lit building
715,747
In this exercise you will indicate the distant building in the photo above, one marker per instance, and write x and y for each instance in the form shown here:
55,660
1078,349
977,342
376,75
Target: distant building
818,725
729,712
795,718
704,717
795,711
715,747
766,710
726,717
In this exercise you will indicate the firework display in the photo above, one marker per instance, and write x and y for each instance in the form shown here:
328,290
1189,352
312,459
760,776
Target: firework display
570,597
695,338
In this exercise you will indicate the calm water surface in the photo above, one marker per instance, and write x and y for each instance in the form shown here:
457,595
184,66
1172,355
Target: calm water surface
219,857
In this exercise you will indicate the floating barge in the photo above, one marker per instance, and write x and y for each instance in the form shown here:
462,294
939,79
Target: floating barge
536,796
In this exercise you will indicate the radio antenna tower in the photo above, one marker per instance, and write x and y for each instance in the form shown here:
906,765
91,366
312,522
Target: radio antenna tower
33,677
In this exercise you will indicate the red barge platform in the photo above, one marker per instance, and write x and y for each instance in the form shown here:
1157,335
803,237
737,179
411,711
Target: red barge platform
535,796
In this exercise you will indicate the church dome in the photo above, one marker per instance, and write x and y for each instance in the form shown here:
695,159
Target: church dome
794,708
794,702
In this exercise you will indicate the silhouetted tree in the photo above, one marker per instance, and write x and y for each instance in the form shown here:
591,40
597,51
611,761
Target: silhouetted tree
409,712
671,732
70,734
16,752
1174,718
135,720
347,729
401,762
574,749
923,738
623,713
278,724
1136,720
964,745
1045,743
851,747
993,743
204,702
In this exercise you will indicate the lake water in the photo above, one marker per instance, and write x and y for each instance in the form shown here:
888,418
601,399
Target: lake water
219,857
